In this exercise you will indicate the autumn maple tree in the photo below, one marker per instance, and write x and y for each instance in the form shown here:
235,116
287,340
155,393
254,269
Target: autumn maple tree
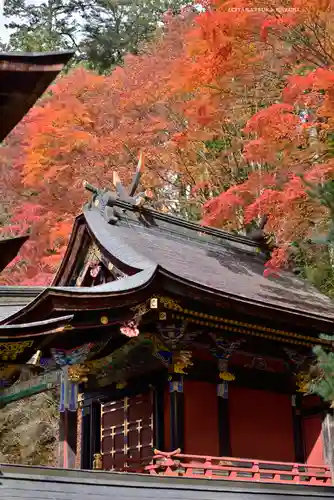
276,58
232,107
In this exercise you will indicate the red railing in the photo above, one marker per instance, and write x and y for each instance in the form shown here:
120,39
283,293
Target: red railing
238,469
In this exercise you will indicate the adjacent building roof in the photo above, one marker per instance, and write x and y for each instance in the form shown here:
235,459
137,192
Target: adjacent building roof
9,248
23,79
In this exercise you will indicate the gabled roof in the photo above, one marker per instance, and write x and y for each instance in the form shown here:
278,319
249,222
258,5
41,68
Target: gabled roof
208,263
161,253
23,79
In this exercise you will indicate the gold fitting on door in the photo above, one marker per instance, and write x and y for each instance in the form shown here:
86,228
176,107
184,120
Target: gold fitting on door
97,462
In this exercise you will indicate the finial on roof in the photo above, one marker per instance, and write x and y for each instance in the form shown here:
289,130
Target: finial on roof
110,202
259,237
90,188
137,176
122,192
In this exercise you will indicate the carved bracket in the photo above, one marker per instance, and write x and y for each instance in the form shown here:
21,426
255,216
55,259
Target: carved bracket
224,347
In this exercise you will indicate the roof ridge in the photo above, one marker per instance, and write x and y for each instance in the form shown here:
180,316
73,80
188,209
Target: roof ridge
179,221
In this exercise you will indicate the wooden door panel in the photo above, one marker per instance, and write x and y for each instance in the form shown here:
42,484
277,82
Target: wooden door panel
127,432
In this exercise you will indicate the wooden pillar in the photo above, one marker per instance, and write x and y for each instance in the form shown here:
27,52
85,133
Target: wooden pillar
223,420
328,440
90,432
159,417
176,412
297,421
86,456
67,439
79,440
95,430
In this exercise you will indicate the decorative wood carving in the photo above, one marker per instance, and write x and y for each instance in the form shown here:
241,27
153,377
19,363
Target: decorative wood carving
181,361
224,348
295,357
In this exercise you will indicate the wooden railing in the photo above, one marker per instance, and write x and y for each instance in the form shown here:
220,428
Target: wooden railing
238,469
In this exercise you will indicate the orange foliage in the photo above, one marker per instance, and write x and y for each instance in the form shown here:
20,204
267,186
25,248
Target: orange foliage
216,101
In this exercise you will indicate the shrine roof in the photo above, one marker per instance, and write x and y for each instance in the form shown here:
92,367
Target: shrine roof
208,260
14,298
35,329
155,251
23,79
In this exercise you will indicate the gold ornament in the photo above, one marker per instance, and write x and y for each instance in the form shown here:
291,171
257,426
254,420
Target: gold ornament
120,385
302,382
97,462
227,376
154,303
104,320
181,361
169,303
10,350
78,373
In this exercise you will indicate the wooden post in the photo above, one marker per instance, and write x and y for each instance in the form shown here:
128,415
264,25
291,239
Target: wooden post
297,422
223,420
90,432
159,417
67,439
86,455
177,412
95,430
79,439
328,440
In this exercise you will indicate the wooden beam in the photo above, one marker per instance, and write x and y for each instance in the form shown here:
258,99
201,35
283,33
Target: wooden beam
67,440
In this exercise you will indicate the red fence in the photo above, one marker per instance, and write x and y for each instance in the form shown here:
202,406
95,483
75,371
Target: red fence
238,469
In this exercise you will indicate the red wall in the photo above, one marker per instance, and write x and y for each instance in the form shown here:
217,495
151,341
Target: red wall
200,418
313,441
261,425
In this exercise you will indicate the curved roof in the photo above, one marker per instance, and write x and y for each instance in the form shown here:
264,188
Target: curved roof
160,252
205,261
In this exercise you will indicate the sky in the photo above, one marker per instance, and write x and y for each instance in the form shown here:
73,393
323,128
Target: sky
3,31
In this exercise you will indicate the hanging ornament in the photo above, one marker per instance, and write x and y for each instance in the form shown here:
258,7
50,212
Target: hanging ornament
302,382
130,329
224,374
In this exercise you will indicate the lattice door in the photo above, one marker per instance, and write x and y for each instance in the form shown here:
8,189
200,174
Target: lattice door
127,432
